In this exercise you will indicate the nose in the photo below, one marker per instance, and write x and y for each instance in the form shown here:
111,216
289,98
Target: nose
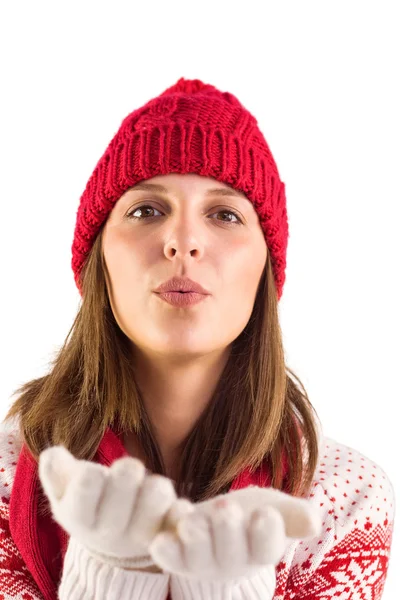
182,250
184,242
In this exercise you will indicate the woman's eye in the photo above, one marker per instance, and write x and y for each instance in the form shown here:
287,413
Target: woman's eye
131,215
230,212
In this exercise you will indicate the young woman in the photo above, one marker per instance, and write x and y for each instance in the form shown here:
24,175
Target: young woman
170,451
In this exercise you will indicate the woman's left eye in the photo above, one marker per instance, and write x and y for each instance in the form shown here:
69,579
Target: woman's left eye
130,215
230,212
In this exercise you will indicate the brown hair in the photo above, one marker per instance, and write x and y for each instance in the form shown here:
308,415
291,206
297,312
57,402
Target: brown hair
256,414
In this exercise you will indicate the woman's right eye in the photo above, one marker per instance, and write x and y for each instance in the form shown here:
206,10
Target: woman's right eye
143,206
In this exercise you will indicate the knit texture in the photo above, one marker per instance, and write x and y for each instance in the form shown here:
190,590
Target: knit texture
349,560
105,582
191,127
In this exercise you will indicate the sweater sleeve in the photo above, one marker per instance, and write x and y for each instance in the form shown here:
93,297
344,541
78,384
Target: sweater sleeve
259,587
84,576
354,568
351,557
16,582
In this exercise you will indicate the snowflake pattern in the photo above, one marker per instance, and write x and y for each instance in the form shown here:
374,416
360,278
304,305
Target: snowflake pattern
349,561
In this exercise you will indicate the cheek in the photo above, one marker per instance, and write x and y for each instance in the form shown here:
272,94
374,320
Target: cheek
243,290
124,267
243,266
123,255
238,295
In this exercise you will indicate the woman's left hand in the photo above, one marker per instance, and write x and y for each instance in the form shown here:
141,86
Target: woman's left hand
234,534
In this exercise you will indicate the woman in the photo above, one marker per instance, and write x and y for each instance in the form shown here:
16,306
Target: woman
168,428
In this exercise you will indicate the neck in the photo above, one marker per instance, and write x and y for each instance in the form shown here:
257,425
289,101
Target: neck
175,395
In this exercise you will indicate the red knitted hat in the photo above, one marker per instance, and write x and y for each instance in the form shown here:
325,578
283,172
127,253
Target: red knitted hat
192,127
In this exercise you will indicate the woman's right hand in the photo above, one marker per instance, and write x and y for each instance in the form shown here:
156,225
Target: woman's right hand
115,512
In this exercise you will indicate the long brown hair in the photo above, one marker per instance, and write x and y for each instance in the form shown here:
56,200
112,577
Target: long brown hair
256,414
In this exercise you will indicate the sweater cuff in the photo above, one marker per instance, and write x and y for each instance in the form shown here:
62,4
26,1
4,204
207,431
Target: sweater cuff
260,586
84,576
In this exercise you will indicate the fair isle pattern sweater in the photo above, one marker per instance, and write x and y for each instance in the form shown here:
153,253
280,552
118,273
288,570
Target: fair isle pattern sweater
348,561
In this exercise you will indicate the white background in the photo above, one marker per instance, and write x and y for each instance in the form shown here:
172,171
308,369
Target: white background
322,80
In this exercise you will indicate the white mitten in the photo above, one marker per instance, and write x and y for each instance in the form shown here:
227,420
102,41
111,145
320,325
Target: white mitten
233,535
114,512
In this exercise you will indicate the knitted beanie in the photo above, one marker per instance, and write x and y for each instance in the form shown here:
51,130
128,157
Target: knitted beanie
191,127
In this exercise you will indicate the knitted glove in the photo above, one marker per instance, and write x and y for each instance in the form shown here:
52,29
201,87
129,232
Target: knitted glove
114,512
242,534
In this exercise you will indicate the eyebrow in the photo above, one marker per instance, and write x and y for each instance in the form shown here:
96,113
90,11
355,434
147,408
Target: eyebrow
154,187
